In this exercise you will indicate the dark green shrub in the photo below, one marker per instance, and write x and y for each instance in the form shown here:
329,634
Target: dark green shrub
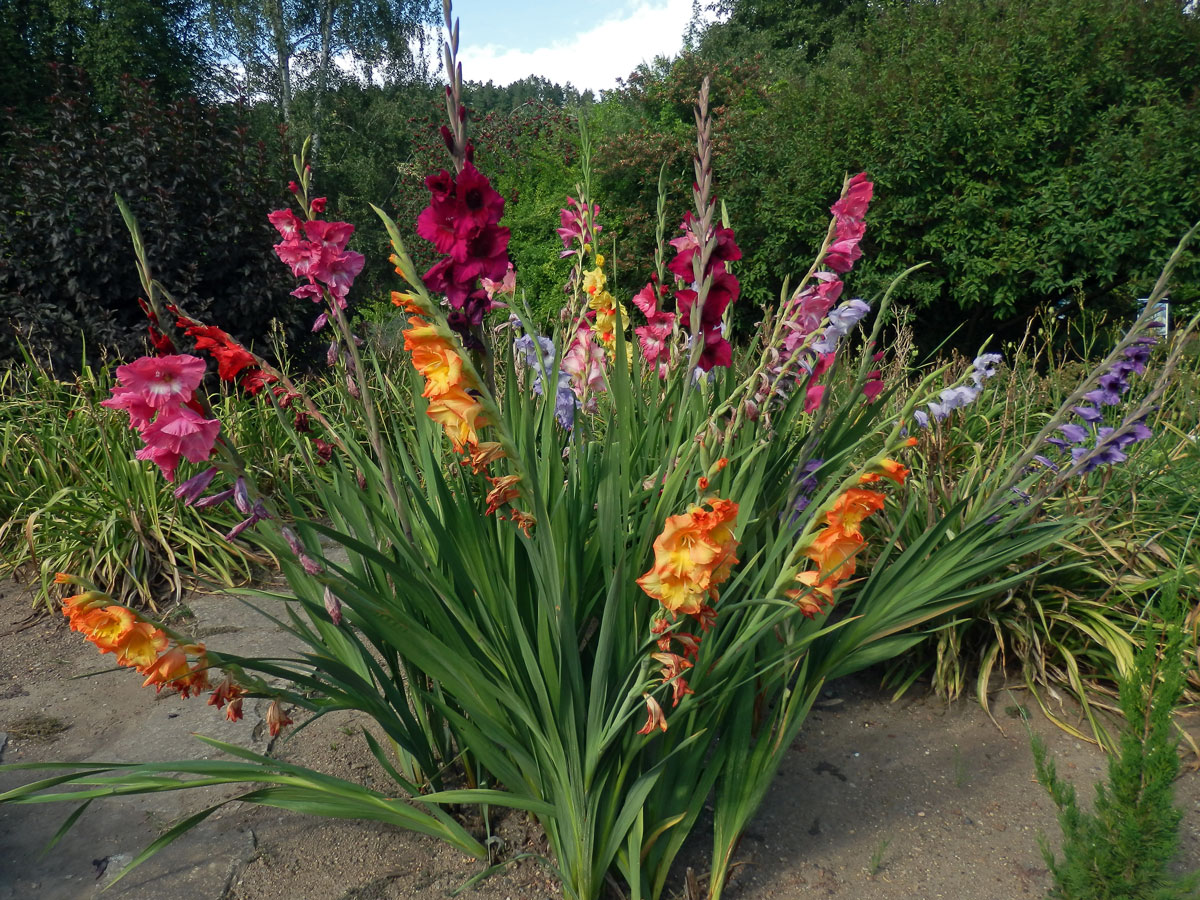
200,186
1030,151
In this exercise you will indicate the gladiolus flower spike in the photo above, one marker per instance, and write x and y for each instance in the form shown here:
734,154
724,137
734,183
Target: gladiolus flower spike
147,649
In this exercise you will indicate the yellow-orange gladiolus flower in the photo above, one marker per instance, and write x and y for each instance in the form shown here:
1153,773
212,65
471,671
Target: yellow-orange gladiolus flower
594,281
442,367
851,508
833,551
459,414
141,645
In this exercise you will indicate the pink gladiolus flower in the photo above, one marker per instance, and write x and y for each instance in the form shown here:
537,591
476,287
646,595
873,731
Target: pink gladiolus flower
162,380
334,235
286,222
654,340
853,204
812,397
338,269
507,286
140,412
183,431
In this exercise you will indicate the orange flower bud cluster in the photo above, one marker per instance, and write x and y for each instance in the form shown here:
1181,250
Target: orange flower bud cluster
692,556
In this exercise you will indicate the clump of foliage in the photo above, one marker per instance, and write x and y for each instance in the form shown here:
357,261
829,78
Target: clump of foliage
86,505
1123,850
192,171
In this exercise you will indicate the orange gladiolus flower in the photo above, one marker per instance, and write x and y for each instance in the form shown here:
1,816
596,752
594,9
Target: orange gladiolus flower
851,508
694,553
140,646
167,670
81,604
889,468
833,551
406,301
106,627
816,595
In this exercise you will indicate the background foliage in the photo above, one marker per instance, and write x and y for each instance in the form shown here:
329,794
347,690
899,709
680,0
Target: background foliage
195,175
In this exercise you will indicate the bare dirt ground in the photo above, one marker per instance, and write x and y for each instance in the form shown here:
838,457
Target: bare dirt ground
877,800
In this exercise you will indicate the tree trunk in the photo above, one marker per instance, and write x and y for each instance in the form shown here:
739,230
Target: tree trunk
322,75
283,56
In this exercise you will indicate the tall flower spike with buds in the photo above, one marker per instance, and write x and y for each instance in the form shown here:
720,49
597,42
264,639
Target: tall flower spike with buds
702,256
800,341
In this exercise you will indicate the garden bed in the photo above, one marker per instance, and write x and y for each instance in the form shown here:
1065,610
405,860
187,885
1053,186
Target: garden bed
876,800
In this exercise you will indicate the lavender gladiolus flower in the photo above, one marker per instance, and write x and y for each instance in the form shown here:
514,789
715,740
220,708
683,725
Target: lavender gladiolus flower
952,398
848,314
539,356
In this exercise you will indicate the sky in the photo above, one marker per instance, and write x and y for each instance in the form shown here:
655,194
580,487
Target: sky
588,45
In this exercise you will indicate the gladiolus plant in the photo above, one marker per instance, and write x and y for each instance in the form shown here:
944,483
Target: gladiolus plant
598,575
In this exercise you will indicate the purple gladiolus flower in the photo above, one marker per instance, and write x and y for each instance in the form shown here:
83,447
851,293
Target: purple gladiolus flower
1076,434
189,492
1087,413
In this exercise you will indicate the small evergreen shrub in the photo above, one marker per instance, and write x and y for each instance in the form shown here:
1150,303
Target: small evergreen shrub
1122,850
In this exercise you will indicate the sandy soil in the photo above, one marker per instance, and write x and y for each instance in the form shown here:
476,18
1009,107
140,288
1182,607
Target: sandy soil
876,801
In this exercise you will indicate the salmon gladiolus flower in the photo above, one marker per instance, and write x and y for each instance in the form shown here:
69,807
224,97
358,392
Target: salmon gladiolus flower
851,508
694,554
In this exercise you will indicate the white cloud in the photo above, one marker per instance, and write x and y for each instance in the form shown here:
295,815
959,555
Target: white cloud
594,58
